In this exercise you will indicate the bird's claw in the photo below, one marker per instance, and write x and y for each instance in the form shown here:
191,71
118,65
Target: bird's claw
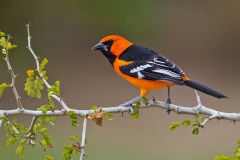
168,102
130,105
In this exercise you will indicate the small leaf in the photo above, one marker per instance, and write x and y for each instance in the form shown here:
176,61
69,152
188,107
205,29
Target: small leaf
196,123
15,130
2,88
74,123
44,130
195,131
2,41
71,112
135,116
73,137
108,116
197,114
223,158
95,108
12,140
186,122
2,33
174,125
10,46
48,157
19,150
2,118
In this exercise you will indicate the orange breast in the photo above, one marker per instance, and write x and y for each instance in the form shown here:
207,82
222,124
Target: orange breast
141,83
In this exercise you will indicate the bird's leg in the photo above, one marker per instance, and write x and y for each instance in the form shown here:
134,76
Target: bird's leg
129,103
168,102
143,93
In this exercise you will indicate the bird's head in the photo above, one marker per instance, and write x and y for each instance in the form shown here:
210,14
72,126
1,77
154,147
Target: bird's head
112,44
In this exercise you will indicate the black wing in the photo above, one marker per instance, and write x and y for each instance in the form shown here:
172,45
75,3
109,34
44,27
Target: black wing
150,65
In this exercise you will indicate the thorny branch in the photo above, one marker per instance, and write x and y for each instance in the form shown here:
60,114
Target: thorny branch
19,103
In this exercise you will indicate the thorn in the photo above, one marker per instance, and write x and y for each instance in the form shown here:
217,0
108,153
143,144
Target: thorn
178,110
168,111
131,110
154,100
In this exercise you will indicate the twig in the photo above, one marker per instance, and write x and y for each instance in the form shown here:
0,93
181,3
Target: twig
19,103
83,138
29,136
40,74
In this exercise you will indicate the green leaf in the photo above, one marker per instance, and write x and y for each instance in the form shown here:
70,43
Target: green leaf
2,118
2,33
224,158
71,112
19,150
15,130
2,88
74,123
46,138
108,116
186,122
196,123
33,86
174,125
43,64
10,46
44,130
48,156
73,138
197,114
68,154
95,108
135,116
2,41
195,131
12,140
55,89
135,106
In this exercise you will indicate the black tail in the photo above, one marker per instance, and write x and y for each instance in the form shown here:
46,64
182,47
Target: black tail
204,89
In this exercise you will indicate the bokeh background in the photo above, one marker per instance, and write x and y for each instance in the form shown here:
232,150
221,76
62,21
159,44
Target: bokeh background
202,37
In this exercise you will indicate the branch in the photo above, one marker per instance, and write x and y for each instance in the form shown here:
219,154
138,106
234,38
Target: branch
211,113
19,103
83,138
40,74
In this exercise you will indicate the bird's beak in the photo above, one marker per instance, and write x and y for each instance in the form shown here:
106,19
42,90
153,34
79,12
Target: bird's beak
100,46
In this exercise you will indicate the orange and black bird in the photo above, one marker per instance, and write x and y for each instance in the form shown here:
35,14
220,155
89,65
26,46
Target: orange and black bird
145,68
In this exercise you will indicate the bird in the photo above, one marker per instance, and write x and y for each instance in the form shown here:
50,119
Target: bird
146,68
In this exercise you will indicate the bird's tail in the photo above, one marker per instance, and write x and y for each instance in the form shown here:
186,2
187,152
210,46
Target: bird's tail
204,89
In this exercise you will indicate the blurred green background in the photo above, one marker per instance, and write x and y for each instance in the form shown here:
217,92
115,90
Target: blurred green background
202,37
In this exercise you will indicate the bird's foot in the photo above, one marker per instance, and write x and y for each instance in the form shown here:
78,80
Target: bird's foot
168,102
130,103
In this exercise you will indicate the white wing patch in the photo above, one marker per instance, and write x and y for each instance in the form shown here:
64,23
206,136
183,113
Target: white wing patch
167,72
140,75
140,68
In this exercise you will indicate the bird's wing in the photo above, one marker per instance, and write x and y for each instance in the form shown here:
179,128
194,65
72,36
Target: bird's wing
150,65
